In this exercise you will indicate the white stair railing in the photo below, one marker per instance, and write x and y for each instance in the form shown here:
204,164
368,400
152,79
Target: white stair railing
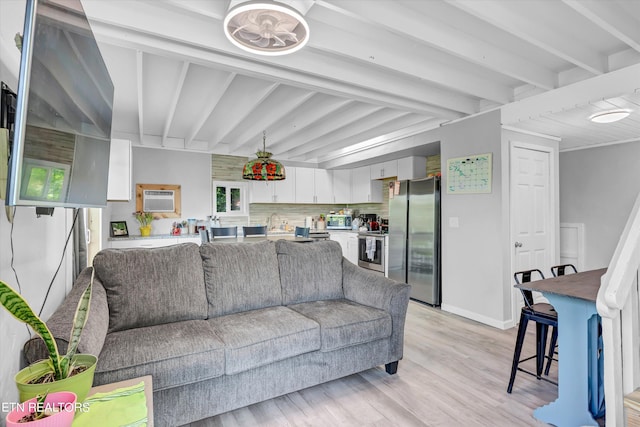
617,304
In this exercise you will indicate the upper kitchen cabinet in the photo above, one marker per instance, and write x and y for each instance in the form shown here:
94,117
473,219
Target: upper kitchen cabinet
414,167
384,170
342,186
275,191
313,186
363,188
119,185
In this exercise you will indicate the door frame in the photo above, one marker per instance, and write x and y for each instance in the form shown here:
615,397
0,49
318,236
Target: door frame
554,214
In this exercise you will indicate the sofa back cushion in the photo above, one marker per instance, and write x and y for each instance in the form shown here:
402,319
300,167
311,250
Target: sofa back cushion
151,286
310,271
240,276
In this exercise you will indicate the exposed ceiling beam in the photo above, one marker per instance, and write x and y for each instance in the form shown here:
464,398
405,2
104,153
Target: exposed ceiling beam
174,101
365,129
399,20
339,118
250,97
392,52
498,13
605,16
318,107
211,105
192,39
286,104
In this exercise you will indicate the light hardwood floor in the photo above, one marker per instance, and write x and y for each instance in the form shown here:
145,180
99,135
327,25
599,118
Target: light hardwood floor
454,373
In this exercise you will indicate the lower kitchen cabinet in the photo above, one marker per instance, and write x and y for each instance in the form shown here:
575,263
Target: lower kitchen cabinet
151,242
349,244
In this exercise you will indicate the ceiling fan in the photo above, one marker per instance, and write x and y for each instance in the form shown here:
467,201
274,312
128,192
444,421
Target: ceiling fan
266,27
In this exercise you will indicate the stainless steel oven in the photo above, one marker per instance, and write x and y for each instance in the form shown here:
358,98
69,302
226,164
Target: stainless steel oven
371,252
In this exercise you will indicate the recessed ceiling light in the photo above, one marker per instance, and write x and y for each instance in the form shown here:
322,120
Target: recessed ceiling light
609,116
266,28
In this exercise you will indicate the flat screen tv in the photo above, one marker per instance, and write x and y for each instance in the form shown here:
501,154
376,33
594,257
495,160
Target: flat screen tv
62,134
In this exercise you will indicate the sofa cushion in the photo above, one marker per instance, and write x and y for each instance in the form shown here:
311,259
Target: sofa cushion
150,286
259,337
240,276
310,272
174,354
345,323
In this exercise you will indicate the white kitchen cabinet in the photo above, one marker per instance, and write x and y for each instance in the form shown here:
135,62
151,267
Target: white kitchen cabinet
352,248
119,184
323,184
274,191
313,186
152,242
384,170
261,191
149,242
285,191
363,188
305,192
342,186
348,243
414,167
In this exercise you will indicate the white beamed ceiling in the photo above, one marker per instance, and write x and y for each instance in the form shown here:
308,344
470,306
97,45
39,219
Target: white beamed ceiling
373,71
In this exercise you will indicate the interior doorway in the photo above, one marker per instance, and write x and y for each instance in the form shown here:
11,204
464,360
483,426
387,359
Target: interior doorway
533,219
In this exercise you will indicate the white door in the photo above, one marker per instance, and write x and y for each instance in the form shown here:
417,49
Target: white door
532,218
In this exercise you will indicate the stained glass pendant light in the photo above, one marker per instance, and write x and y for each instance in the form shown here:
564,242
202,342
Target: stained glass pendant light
264,168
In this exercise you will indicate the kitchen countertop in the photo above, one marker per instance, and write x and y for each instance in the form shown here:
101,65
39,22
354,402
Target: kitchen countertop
156,236
239,239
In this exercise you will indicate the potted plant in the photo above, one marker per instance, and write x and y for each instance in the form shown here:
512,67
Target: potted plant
69,372
48,410
144,219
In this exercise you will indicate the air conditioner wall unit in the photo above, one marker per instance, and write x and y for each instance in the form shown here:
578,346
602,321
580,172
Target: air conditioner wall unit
158,201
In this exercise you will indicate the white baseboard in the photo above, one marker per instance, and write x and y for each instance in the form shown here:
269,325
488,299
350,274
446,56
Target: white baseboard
500,324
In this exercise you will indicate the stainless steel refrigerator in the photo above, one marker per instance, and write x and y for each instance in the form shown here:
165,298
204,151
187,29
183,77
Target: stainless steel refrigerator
414,238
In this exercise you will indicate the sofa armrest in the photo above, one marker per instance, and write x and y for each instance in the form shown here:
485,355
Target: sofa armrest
95,330
372,289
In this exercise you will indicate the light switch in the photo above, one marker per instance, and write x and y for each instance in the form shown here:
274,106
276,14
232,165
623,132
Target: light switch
454,222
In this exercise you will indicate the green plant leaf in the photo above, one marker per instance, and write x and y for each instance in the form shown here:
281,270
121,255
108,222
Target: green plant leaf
79,320
20,309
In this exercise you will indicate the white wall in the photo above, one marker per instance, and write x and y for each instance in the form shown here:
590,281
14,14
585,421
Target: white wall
192,171
37,243
598,187
473,264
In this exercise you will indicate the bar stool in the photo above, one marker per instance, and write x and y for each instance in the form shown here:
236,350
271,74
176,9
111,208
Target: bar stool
257,230
218,232
544,315
556,270
301,231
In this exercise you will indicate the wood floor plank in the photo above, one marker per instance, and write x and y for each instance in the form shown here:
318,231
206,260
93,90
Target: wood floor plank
454,373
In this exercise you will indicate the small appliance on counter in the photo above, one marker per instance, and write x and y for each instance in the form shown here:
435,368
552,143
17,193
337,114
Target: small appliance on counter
338,222
384,225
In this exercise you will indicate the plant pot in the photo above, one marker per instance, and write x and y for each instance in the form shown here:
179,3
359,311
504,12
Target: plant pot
145,231
79,383
65,400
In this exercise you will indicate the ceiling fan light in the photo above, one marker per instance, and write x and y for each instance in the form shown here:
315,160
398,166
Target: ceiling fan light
266,28
609,116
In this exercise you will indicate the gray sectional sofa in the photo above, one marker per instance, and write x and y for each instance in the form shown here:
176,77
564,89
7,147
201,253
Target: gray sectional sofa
223,326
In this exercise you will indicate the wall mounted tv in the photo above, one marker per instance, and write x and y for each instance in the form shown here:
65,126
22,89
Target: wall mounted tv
62,137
